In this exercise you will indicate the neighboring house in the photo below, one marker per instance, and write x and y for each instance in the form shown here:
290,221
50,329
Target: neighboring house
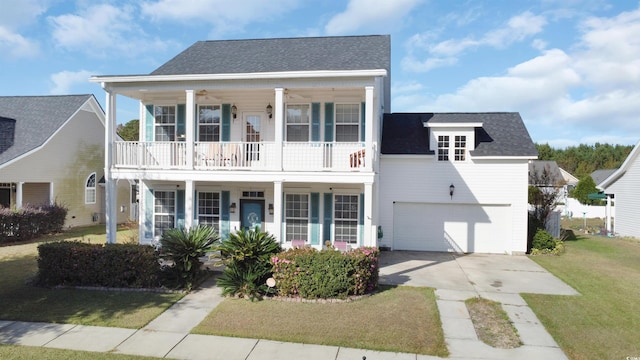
624,187
455,182
52,150
599,176
286,134
569,180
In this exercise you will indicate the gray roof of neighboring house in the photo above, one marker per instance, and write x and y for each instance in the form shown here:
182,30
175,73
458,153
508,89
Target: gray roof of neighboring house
599,176
286,54
28,121
536,168
501,134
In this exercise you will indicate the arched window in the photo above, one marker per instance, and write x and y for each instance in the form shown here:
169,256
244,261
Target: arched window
90,189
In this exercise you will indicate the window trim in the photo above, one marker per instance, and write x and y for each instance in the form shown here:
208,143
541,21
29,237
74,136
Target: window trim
356,221
156,125
90,189
175,206
459,157
336,123
443,152
216,224
308,123
219,123
308,218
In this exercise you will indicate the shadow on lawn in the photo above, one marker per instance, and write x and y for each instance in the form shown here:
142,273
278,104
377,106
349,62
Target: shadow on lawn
24,302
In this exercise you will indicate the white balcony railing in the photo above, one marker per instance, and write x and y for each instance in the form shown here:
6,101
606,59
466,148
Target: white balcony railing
295,156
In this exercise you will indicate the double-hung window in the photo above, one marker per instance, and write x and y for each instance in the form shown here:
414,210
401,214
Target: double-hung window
298,123
164,211
165,123
209,209
90,189
346,218
209,123
347,122
459,147
296,216
443,147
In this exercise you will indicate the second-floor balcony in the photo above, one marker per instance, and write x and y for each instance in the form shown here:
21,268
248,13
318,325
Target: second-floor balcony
261,156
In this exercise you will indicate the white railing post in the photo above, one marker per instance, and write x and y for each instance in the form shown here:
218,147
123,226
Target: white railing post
189,128
279,126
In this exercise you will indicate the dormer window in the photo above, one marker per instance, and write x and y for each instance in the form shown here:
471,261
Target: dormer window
459,147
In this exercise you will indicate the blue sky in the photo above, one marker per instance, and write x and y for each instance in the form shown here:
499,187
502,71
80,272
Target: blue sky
570,67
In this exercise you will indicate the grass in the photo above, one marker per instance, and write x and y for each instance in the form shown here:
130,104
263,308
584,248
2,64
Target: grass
399,319
492,323
24,302
603,323
27,352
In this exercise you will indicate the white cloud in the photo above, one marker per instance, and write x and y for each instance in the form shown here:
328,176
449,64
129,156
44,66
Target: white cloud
517,29
235,14
15,14
15,45
100,30
64,81
368,14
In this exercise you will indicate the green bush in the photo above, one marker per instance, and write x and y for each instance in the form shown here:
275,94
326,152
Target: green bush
184,248
30,222
544,243
110,265
246,254
313,274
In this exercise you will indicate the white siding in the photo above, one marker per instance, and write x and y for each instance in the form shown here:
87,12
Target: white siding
627,201
487,182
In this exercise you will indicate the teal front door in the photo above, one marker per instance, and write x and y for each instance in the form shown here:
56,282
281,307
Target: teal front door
251,213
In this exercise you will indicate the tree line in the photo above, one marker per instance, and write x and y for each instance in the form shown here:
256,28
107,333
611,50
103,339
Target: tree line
584,159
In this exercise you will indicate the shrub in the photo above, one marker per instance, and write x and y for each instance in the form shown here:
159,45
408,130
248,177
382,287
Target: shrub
184,248
30,222
544,243
109,265
312,274
246,254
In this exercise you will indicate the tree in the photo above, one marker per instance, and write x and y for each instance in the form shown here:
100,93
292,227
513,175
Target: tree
544,196
581,192
129,131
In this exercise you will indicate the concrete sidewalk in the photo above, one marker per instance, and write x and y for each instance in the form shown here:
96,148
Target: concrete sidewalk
498,278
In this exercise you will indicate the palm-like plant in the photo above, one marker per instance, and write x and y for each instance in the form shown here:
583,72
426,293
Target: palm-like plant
247,254
185,247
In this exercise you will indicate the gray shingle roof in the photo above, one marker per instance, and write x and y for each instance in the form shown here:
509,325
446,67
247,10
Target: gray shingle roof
600,175
33,119
286,54
537,169
501,134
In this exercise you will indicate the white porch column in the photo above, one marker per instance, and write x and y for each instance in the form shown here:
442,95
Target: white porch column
190,134
19,195
188,203
368,130
369,233
277,211
142,212
51,194
110,188
279,125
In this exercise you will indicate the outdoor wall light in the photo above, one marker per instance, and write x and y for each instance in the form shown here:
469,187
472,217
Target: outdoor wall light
234,111
232,208
451,189
270,110
270,209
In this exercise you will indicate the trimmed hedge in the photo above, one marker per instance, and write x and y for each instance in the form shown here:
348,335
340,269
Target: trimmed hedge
31,222
73,263
313,274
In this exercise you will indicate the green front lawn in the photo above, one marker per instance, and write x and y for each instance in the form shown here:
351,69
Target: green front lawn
24,302
399,319
603,323
28,352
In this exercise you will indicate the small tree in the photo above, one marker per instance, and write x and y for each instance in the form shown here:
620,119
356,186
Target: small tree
544,194
583,188
129,131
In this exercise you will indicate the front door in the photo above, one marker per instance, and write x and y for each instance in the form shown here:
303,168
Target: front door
251,213
5,197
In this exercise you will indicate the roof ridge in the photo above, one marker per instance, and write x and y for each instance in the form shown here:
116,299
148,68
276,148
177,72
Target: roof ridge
295,38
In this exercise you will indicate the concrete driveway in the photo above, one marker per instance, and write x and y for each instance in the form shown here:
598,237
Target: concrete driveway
473,273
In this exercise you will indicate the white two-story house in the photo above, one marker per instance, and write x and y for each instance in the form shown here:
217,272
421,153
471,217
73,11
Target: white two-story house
279,133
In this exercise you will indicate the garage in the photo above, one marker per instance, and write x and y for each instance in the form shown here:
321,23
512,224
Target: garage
461,228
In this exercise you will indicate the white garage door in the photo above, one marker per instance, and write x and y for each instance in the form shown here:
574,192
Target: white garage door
451,228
